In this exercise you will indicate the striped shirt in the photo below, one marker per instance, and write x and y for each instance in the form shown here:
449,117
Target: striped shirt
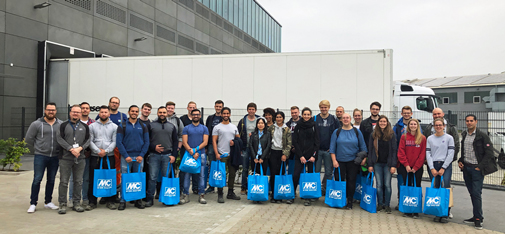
470,157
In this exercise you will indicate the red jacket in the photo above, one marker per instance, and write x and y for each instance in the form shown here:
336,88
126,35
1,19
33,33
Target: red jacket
411,154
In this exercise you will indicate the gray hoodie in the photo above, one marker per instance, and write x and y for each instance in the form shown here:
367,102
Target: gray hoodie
102,136
65,136
42,136
178,125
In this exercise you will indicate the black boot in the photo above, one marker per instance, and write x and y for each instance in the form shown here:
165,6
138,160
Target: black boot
231,195
220,198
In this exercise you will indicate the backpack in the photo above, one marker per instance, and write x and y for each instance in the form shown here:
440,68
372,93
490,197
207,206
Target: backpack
501,159
355,131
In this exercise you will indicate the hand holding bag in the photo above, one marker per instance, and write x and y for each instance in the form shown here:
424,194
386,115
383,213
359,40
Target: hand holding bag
369,196
104,180
170,190
411,198
217,176
310,184
336,192
283,186
257,186
437,200
190,164
133,184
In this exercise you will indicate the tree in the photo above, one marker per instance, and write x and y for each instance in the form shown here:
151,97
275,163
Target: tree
13,151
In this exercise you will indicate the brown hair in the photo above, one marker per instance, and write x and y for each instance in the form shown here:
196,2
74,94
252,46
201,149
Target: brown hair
385,134
407,108
170,103
148,105
295,108
439,119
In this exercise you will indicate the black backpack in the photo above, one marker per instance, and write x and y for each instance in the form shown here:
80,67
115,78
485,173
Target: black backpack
501,159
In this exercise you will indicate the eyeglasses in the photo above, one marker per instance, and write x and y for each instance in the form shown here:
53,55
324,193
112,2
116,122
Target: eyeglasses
117,103
50,110
75,112
195,114
375,109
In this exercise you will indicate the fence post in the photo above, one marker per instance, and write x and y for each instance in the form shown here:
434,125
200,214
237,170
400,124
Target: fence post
201,116
23,122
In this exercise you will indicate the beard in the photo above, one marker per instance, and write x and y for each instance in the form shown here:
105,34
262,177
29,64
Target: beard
195,120
49,117
104,119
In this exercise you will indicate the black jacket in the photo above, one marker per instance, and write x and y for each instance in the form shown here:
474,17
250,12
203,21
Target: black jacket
208,123
392,157
483,151
366,129
451,130
242,130
236,153
306,139
266,144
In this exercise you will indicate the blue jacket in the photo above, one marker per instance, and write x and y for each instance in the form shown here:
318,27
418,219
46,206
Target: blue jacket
134,141
398,131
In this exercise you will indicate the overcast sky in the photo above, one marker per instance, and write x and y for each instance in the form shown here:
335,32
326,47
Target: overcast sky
429,38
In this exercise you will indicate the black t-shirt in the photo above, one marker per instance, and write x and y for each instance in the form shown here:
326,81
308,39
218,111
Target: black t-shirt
186,121
383,151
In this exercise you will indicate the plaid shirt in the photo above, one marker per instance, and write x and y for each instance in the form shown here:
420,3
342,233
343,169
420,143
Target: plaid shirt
470,157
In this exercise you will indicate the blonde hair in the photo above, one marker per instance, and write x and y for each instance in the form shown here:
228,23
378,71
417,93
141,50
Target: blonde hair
419,137
191,102
324,103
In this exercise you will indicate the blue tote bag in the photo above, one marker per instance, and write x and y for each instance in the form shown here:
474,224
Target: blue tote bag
190,164
310,184
369,195
257,186
437,200
411,198
170,189
217,177
361,180
336,192
104,181
283,186
133,184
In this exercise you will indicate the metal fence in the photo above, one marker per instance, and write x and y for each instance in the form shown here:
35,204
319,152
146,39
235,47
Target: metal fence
491,122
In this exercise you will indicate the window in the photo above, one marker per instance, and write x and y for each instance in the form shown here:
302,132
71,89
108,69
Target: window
445,100
424,104
448,98
470,97
476,99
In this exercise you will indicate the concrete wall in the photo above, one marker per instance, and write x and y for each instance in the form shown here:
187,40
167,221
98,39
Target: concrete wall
105,27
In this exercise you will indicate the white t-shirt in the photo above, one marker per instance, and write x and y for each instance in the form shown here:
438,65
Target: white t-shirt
225,133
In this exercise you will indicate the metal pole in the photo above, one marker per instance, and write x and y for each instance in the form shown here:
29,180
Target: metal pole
23,122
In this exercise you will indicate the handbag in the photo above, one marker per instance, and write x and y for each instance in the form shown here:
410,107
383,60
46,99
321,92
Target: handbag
104,181
336,192
133,184
257,186
283,186
310,184
190,164
369,195
170,189
217,176
359,185
410,198
437,200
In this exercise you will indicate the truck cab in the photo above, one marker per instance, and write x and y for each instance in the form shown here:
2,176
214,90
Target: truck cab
422,100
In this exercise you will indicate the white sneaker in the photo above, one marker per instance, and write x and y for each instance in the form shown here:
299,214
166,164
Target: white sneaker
31,209
450,215
51,206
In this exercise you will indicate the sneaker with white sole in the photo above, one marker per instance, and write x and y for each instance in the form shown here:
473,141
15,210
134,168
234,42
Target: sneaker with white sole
51,206
450,215
31,209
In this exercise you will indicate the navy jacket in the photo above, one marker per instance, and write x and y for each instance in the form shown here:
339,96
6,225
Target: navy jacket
132,141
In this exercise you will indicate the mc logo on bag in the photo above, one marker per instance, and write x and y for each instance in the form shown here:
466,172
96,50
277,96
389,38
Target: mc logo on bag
190,162
104,184
284,189
133,187
335,194
217,175
170,191
410,201
367,198
433,201
358,188
309,186
257,188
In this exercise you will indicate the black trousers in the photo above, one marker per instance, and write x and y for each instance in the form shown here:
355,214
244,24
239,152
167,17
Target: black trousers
348,173
275,163
298,170
402,170
256,167
94,163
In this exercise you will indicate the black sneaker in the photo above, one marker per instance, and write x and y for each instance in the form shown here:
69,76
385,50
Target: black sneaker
102,201
122,206
232,196
149,203
272,200
111,205
397,207
139,204
195,192
437,219
210,190
444,220
415,215
220,198
388,210
306,203
470,220
478,224
291,201
407,214
379,208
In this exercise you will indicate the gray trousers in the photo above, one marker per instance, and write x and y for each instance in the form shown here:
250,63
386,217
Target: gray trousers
68,167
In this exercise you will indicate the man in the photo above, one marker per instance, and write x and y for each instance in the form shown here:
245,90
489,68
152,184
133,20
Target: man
172,118
145,111
132,141
400,128
339,112
212,121
295,116
195,136
73,137
477,160
187,120
326,123
449,129
103,135
368,125
85,107
42,136
246,126
162,150
223,135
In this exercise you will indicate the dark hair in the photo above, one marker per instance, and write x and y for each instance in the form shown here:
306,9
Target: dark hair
282,114
407,108
306,109
50,104
252,104
375,104
104,107
84,103
148,105
218,102
256,130
194,110
269,110
161,107
385,134
110,99
133,106
471,115
225,108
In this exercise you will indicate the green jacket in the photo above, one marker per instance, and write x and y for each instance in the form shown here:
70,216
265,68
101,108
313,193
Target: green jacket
286,139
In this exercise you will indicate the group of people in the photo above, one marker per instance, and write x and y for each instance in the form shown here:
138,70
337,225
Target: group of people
79,145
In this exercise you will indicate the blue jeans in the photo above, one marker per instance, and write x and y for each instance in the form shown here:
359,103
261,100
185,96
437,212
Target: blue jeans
399,179
473,181
211,156
134,167
40,163
157,162
323,155
246,154
447,174
383,180
201,177
85,183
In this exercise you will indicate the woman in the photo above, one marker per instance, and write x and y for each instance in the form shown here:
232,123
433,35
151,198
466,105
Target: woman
281,145
358,116
344,149
382,161
439,154
306,143
269,113
259,144
411,154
